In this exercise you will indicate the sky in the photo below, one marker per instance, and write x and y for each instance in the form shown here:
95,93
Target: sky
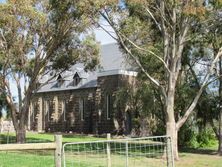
102,36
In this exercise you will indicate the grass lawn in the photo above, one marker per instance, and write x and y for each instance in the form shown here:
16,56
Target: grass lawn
46,160
199,160
27,159
188,157
32,137
201,157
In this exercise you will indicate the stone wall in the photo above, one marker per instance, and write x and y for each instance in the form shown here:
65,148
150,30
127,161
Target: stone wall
95,120
53,119
6,126
109,85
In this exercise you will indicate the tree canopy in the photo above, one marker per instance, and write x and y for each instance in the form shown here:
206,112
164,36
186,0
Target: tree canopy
35,36
158,36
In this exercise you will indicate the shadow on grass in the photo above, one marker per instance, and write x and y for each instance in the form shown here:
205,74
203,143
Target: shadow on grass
198,151
10,139
83,136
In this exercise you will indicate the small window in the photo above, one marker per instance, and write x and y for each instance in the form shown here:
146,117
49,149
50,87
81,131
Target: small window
35,110
82,109
76,79
32,112
108,106
47,108
64,110
60,81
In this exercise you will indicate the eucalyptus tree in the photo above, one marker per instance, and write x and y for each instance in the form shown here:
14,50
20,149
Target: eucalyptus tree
35,37
214,39
160,30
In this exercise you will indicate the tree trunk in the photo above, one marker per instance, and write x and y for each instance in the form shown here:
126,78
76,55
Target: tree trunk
171,129
220,133
20,134
220,108
173,133
19,122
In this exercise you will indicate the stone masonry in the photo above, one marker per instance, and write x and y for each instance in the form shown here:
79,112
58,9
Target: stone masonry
86,110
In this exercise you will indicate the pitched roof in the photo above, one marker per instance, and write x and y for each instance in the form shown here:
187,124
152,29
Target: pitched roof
111,59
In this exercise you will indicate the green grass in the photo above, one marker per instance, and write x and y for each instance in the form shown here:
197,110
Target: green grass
199,160
95,160
32,137
202,157
27,159
46,160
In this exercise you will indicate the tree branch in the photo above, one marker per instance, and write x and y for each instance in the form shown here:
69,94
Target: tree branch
194,103
154,19
145,50
121,42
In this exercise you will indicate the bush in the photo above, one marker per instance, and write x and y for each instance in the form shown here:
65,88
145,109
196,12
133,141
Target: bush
206,138
189,137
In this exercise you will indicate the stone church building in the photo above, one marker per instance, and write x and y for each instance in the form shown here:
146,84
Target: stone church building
84,102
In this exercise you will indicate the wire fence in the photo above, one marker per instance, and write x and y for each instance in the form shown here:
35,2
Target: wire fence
133,152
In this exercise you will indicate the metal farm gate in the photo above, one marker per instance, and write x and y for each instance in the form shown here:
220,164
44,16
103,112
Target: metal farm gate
132,152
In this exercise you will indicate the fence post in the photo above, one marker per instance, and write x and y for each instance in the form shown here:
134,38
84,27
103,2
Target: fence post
58,151
169,153
108,150
127,154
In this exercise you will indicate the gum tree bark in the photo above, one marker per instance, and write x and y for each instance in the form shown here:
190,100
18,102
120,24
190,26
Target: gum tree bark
219,135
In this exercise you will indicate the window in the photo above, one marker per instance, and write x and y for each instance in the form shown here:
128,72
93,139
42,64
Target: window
64,110
76,79
46,108
35,110
56,109
60,81
82,109
108,106
32,108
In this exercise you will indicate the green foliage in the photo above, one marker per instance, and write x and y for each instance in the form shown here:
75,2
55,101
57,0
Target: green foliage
206,138
187,136
36,36
85,51
191,137
144,103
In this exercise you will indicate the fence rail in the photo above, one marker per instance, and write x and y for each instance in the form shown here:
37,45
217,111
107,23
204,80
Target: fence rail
20,147
56,146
